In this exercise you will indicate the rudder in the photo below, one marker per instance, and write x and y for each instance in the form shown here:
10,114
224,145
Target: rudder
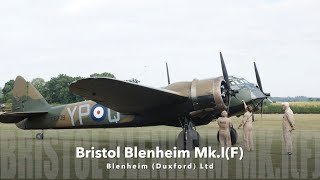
26,97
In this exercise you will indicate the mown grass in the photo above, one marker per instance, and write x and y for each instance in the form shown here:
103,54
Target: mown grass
268,161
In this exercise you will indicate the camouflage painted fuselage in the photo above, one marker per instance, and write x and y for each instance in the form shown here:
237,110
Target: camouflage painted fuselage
86,114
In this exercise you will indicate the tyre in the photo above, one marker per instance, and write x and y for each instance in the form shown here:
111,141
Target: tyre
39,136
233,134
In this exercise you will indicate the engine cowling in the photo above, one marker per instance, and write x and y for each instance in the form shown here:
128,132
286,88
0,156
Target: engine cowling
209,93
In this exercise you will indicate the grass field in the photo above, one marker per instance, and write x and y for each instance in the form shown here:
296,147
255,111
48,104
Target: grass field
54,157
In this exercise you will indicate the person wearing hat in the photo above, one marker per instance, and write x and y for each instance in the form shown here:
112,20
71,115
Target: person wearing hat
224,129
287,126
247,120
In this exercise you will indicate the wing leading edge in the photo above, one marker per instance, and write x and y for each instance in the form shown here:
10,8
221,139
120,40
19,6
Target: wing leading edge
125,97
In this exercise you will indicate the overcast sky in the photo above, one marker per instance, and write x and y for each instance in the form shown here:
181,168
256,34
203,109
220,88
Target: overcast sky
134,38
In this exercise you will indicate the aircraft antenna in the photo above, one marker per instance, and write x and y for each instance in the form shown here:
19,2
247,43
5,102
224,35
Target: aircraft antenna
168,75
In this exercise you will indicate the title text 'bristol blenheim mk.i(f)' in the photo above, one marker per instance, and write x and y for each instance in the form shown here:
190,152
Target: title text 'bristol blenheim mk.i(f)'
115,103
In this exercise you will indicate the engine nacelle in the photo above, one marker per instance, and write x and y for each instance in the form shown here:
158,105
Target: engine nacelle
209,93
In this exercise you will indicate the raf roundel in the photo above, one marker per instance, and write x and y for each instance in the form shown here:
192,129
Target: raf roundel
98,113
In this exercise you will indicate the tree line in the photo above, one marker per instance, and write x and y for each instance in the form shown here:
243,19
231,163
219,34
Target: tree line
295,99
56,90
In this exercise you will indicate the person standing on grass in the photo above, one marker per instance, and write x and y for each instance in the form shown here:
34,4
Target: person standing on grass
224,129
247,120
287,126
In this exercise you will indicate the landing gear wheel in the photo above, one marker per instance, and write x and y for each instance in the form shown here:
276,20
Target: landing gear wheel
188,138
234,136
39,136
196,141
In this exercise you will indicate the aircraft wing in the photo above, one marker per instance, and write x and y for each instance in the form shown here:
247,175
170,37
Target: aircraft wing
125,97
16,117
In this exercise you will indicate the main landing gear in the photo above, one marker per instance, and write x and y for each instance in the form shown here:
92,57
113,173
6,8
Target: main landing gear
188,138
39,136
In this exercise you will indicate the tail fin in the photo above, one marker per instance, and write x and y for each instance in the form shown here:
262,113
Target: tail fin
26,97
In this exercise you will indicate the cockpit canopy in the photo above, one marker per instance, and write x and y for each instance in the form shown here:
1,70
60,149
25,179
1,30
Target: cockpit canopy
238,82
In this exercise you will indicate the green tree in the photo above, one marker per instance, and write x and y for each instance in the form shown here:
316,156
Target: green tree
105,74
57,90
7,91
39,84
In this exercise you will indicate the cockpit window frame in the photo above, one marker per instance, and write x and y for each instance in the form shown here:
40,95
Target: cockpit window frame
234,84
238,82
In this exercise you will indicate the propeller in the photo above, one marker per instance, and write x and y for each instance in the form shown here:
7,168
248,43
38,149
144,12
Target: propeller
229,91
224,71
260,87
257,76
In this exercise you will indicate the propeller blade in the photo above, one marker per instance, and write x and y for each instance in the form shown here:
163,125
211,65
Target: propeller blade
229,99
224,71
258,76
226,79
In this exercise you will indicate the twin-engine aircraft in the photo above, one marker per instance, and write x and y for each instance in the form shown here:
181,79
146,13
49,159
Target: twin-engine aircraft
114,103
